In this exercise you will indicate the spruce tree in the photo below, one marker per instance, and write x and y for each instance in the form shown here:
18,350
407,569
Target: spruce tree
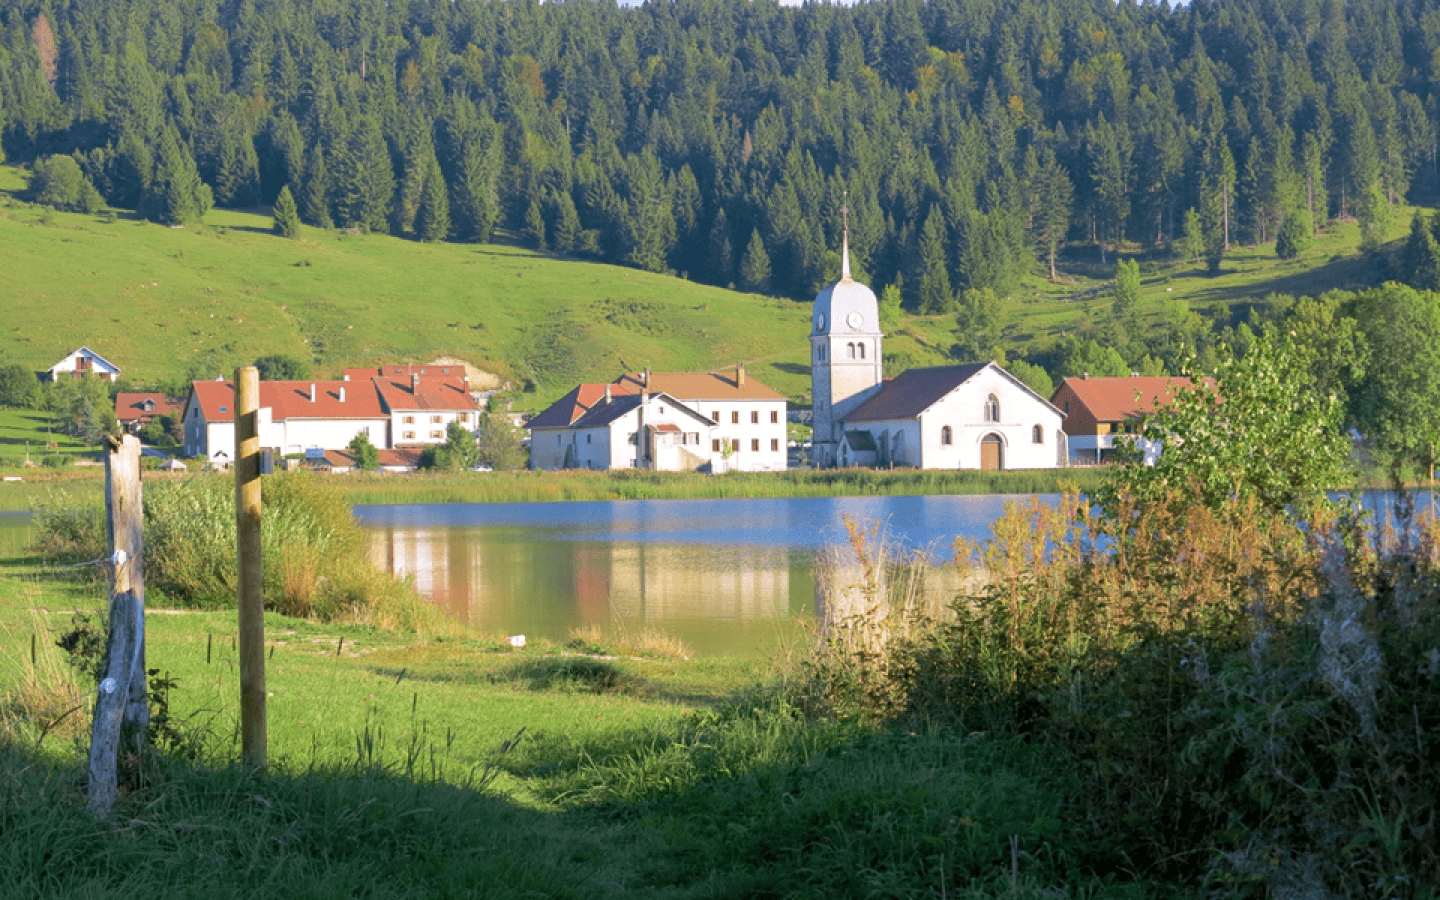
175,194
313,202
432,218
534,232
755,265
567,223
286,222
936,294
1296,234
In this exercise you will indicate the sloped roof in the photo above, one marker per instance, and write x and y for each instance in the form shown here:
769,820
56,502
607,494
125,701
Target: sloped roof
570,407
698,386
604,413
860,441
1120,399
130,406
87,351
291,400
912,392
447,392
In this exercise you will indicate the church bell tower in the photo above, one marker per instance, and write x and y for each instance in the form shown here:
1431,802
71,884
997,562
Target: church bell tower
845,355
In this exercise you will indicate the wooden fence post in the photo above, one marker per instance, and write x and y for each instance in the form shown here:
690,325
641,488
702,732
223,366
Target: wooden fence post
122,707
251,573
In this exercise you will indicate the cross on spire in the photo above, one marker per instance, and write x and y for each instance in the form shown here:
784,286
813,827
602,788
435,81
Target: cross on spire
845,238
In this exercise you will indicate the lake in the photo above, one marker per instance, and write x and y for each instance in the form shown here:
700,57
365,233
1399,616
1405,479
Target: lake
725,576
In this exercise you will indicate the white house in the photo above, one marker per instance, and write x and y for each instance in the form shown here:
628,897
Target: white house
622,431
664,420
82,362
294,416
421,404
975,416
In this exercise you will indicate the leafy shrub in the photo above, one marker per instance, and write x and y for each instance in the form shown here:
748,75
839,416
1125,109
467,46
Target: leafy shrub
55,460
315,558
69,529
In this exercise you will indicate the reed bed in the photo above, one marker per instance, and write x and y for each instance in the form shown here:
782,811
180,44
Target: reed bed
525,487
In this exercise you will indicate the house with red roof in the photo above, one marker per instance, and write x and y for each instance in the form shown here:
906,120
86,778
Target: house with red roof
1101,411
394,406
294,417
136,410
716,421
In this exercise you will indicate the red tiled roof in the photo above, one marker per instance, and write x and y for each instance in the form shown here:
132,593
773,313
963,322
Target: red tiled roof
433,392
1121,399
570,407
697,386
291,400
130,407
665,427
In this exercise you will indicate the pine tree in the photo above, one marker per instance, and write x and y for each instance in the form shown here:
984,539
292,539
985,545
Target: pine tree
1420,260
175,194
1192,236
432,218
534,232
1296,234
1051,197
755,265
936,294
286,221
567,223
314,190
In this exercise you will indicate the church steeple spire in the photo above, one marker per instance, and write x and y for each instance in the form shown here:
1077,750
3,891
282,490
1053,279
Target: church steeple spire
845,239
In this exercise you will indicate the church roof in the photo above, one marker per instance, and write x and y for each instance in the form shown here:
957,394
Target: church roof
913,391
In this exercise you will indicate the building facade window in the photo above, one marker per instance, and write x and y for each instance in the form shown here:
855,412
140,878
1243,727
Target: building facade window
861,348
437,435
410,436
754,417
408,420
715,445
992,408
1037,435
774,417
436,420
755,445
735,417
774,444
735,446
947,437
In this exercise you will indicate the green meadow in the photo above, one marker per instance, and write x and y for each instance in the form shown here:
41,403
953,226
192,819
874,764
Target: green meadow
170,303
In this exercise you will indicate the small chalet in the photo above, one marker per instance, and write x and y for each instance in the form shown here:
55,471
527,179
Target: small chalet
1100,410
82,362
135,411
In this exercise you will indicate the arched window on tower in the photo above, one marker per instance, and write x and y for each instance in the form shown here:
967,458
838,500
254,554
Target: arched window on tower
851,348
946,436
862,350
992,408
820,352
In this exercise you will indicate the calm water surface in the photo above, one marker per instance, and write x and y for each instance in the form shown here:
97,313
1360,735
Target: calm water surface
725,576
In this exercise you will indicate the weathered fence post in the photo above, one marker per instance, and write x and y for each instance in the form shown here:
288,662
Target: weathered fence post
251,573
122,707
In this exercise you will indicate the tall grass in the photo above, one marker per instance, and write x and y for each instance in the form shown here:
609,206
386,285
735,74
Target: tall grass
520,487
315,559
1252,699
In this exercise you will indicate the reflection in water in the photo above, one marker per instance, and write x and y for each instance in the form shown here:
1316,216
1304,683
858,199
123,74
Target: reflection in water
725,576
716,599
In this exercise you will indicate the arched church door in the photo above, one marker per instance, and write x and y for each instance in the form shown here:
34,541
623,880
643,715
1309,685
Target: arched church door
992,453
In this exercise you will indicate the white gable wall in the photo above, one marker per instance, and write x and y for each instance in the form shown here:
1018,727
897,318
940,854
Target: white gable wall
963,409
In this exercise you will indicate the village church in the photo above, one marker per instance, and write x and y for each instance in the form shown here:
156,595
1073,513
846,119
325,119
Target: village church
974,416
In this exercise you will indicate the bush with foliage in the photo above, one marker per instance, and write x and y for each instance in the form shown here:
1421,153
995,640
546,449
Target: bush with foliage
460,450
280,367
59,182
315,557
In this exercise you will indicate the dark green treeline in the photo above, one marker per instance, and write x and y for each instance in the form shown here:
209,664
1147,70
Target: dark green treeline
707,137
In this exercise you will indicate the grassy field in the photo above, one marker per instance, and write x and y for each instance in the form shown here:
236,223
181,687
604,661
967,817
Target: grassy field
27,434
167,303
637,775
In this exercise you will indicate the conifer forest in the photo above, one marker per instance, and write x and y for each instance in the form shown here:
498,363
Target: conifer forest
720,140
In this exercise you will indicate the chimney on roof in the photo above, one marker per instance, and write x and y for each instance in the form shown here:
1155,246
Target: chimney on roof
645,377
312,392
414,382
1085,375
739,374
346,377
342,393
1134,374
607,393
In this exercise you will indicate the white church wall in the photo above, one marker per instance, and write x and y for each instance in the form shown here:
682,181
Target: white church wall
963,410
